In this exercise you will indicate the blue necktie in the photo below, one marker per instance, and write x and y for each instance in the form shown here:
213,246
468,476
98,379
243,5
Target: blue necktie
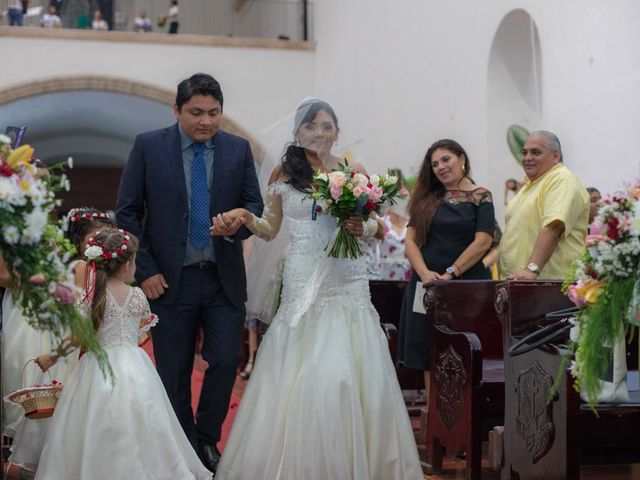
200,222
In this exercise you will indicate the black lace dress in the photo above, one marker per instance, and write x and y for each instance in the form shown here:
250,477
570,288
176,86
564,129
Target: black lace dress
455,223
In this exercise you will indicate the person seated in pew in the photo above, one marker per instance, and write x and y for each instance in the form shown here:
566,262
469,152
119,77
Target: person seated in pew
546,222
450,230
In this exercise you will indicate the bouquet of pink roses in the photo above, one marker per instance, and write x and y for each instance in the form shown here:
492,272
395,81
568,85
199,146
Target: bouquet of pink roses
345,193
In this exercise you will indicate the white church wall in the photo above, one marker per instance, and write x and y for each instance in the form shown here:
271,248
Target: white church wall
404,74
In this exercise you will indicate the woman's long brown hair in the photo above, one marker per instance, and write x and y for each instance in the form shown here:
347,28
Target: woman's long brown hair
110,240
429,191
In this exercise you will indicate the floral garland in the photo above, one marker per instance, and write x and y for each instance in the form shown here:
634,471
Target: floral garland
98,252
75,216
605,284
35,250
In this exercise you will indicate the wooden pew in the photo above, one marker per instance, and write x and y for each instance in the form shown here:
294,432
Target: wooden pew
550,440
386,297
467,380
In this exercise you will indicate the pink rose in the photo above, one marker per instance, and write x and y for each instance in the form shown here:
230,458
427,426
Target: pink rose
65,294
357,191
595,229
337,179
574,297
376,193
336,192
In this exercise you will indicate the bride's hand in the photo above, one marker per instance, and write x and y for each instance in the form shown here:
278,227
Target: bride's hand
227,223
353,225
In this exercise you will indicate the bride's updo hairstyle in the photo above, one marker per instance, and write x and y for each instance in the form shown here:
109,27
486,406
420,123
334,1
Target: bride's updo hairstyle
294,162
111,250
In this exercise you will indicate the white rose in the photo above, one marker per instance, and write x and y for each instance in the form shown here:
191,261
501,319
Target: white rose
361,179
391,180
93,252
4,139
374,180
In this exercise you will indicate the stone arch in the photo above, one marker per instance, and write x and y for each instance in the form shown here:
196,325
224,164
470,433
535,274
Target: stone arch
103,83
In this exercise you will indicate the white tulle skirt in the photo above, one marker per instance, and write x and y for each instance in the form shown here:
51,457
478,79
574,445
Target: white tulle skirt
121,431
323,403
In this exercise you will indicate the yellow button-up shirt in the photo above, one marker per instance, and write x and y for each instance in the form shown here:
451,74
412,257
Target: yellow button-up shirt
556,195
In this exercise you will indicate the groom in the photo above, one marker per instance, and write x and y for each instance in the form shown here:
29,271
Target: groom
175,180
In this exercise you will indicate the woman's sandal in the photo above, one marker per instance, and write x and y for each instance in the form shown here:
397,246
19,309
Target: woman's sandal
246,373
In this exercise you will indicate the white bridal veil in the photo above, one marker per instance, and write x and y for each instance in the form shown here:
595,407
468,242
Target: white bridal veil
266,259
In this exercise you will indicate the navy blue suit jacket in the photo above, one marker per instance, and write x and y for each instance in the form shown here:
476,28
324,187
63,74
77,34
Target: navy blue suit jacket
152,204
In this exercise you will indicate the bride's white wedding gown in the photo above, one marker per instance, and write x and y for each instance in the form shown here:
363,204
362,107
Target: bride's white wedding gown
323,401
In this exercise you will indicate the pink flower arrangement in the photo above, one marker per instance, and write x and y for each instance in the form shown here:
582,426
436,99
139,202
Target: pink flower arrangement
346,193
605,285
65,293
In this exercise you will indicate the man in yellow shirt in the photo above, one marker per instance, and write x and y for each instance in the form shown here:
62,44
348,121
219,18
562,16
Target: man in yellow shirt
546,222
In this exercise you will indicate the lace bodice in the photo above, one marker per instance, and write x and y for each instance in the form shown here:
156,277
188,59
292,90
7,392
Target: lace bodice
308,271
121,324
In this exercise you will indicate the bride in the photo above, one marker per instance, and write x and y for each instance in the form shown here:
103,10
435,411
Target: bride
323,401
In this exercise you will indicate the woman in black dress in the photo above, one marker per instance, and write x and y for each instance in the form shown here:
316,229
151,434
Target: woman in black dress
450,230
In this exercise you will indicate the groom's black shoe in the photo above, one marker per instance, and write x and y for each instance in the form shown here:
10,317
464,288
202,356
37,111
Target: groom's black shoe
209,455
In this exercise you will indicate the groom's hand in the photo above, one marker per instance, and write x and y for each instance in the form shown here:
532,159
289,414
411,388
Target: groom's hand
226,225
155,286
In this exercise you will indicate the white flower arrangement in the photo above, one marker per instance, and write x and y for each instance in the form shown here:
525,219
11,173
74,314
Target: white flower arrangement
603,284
34,248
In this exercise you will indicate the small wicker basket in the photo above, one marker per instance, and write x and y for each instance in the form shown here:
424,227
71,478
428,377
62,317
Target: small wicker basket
38,401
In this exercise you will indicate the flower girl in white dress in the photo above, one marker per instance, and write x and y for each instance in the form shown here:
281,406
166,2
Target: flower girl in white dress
25,342
323,401
127,428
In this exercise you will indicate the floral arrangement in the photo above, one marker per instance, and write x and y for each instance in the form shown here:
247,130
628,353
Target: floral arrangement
35,250
346,193
605,285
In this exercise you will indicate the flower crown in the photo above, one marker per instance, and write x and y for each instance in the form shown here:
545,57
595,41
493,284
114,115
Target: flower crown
99,253
74,215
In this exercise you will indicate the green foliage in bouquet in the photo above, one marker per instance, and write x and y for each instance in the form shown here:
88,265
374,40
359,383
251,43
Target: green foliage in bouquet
36,252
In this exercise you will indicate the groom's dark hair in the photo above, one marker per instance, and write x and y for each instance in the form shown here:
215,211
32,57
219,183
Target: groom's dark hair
198,84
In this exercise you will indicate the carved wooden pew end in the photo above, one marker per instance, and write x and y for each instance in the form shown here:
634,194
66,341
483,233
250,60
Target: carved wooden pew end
467,372
550,440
